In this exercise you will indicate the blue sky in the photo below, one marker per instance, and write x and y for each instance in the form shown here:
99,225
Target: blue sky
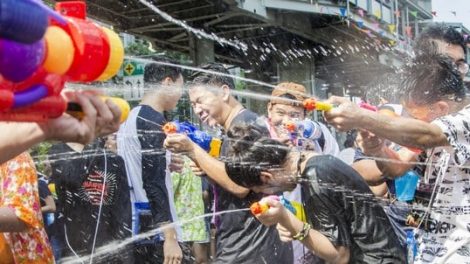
444,9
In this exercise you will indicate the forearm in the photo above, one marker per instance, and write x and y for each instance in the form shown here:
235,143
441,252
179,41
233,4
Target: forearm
50,205
315,241
404,131
215,170
170,234
390,163
17,138
9,222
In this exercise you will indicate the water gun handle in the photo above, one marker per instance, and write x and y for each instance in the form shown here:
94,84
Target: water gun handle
75,109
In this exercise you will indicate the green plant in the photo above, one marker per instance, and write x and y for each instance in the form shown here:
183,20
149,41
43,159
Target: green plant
40,155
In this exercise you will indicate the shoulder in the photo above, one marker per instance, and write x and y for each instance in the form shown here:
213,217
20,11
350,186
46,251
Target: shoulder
148,118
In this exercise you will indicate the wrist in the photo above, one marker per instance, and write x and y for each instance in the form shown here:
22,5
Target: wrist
285,220
42,132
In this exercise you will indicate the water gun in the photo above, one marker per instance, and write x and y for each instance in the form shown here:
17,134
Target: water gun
38,57
306,128
311,104
203,139
258,208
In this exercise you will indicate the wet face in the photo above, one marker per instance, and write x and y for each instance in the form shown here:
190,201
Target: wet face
279,179
456,53
208,103
280,114
275,181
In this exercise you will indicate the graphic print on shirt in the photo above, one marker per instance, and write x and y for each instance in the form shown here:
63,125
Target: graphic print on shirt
92,186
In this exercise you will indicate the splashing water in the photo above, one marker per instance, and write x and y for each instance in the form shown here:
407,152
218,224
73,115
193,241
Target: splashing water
104,251
236,44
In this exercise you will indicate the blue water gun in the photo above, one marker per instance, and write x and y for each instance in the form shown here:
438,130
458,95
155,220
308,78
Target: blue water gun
197,136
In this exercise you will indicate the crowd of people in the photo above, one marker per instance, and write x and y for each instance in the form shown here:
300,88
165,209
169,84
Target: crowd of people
402,196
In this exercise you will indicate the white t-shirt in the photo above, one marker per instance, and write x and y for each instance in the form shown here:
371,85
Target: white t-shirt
447,240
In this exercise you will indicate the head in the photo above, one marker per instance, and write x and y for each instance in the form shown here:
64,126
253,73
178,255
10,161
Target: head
433,87
210,95
443,39
111,143
260,163
286,104
164,82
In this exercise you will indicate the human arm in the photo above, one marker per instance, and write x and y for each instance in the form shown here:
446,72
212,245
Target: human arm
46,196
9,222
291,225
171,249
388,162
99,118
214,168
19,208
50,205
404,131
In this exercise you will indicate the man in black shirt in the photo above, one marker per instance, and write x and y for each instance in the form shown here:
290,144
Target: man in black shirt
240,237
345,224
93,199
140,143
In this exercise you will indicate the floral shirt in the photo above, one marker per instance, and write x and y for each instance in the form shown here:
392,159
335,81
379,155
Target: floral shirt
19,191
187,189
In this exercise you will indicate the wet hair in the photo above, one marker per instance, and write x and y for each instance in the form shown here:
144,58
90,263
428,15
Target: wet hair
210,78
438,31
156,73
251,153
430,78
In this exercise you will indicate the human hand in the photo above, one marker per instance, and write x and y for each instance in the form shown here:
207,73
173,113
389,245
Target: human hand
172,252
345,116
369,143
177,163
179,143
274,214
196,170
284,234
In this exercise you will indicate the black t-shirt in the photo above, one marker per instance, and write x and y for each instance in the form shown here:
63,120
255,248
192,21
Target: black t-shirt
240,237
339,204
79,179
149,129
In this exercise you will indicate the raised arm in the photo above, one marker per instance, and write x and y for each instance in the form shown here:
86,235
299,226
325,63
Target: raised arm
215,169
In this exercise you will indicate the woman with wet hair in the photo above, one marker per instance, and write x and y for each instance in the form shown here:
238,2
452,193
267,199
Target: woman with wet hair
345,223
